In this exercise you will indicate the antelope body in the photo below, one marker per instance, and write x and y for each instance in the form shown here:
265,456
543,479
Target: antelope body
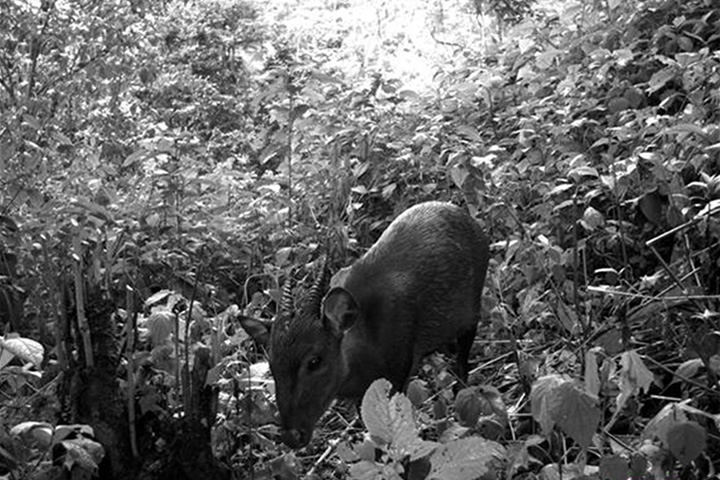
417,289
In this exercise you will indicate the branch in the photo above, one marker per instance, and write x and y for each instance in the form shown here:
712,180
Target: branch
36,47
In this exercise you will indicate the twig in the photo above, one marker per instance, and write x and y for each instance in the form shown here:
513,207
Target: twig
673,298
681,377
333,443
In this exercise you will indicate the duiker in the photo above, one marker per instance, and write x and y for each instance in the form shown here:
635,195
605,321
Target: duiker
417,289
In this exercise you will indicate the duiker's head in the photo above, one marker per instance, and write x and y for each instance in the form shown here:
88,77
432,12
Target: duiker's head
305,360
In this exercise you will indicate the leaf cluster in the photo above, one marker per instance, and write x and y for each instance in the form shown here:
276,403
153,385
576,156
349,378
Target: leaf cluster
196,152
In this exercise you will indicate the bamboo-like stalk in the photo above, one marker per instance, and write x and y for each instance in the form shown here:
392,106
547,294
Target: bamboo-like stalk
80,304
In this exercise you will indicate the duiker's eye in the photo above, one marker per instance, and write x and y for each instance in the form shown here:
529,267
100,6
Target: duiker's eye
314,363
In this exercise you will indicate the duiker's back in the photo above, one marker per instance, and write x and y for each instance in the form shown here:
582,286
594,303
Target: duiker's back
418,288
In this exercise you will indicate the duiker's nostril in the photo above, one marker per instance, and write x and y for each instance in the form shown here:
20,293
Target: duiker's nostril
295,438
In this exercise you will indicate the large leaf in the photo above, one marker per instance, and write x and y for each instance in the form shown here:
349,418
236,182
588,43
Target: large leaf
686,440
560,401
27,350
40,432
390,422
464,459
578,415
634,377
543,402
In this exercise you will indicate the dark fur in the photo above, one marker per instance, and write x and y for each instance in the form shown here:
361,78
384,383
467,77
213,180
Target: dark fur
417,289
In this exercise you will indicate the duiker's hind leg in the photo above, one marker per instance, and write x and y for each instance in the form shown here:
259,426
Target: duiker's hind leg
465,340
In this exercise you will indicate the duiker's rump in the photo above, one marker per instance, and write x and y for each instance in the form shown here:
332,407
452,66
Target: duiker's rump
417,289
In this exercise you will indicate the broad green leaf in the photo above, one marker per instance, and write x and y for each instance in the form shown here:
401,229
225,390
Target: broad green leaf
458,174
578,414
543,401
417,392
467,407
26,349
285,467
686,441
160,325
651,204
375,411
688,369
660,79
83,452
614,467
578,173
593,219
659,426
464,459
40,432
6,357
365,470
557,400
634,373
390,421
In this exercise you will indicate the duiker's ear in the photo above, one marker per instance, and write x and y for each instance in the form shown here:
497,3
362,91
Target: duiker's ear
259,330
340,309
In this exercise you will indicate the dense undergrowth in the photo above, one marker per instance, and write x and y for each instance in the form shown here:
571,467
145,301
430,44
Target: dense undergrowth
165,164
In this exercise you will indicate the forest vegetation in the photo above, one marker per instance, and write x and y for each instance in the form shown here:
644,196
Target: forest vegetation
168,165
